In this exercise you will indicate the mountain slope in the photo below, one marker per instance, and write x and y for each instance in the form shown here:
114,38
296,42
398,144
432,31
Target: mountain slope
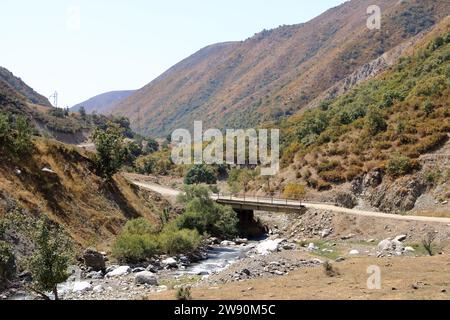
276,72
384,142
21,87
102,102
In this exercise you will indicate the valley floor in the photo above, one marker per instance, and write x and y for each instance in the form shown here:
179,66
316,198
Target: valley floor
401,278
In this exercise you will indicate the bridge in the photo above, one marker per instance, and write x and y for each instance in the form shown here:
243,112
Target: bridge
246,203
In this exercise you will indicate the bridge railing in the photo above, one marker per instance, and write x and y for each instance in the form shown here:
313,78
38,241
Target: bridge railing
257,199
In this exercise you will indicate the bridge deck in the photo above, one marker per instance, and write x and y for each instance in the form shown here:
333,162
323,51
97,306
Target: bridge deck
260,203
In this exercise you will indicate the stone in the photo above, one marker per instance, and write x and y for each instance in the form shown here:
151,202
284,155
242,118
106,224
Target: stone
398,246
325,233
354,252
267,246
111,268
94,260
227,243
119,272
94,275
385,245
370,240
81,287
98,289
401,238
288,246
410,249
241,241
146,277
278,273
246,272
137,270
340,259
171,262
312,247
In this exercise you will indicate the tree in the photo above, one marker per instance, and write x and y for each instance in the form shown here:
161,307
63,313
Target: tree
111,152
200,174
206,216
50,262
82,112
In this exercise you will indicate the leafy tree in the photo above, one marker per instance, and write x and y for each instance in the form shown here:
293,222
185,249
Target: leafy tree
206,216
82,112
22,136
111,151
50,262
200,174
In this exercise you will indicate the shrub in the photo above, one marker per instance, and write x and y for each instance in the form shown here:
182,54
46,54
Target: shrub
400,165
431,143
183,294
137,242
294,191
135,248
7,264
375,122
428,241
332,176
179,241
200,174
140,226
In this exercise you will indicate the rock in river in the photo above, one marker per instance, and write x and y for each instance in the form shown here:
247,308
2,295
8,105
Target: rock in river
146,277
118,272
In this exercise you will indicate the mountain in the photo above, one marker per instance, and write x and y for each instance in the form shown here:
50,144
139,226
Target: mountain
382,144
103,102
21,87
277,72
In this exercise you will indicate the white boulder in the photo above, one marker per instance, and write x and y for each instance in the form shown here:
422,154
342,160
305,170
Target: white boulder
312,247
354,252
171,262
267,246
119,272
81,286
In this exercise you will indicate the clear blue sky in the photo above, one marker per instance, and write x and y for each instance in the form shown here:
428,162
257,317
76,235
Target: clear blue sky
124,44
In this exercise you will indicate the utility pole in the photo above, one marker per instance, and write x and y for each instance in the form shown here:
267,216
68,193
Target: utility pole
55,99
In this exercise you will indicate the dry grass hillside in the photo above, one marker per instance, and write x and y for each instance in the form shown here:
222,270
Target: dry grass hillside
386,140
16,84
277,72
58,181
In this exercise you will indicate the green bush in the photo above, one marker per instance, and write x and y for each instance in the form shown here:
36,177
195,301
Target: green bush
137,242
179,241
200,174
7,264
135,248
400,165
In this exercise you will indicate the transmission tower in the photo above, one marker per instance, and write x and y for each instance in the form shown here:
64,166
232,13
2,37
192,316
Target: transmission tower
55,99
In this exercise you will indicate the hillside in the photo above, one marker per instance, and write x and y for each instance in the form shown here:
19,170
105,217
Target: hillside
21,87
384,143
274,73
103,102
58,181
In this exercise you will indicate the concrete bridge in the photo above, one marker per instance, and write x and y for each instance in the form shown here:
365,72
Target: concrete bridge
245,203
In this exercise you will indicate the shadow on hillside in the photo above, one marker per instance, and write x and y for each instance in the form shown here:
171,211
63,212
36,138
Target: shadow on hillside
113,192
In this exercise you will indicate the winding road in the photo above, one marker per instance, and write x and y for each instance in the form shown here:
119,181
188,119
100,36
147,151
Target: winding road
169,192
